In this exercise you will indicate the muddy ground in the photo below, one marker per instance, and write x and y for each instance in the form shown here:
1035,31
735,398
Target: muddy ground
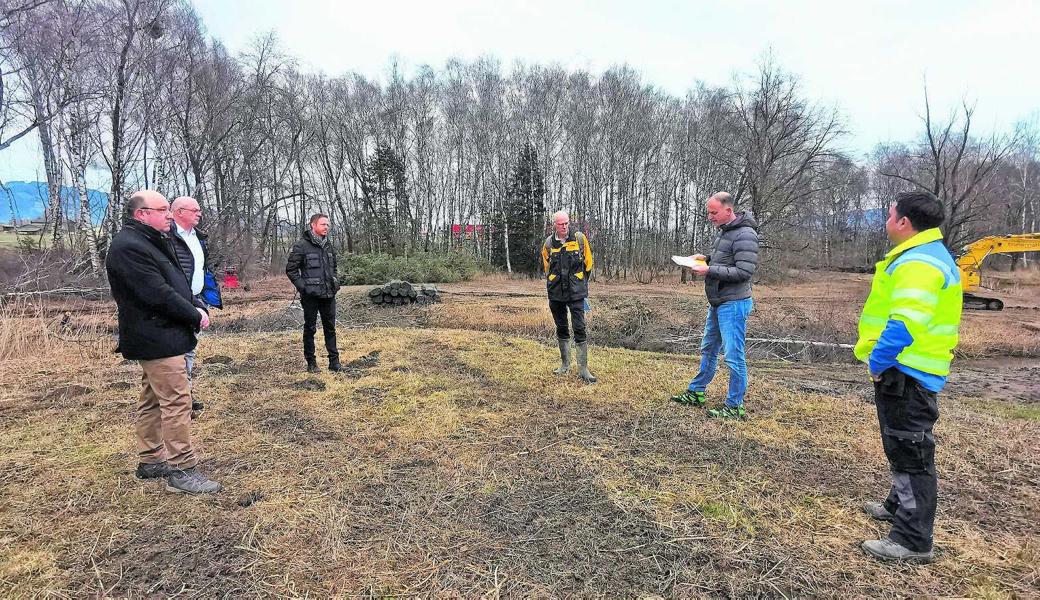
447,461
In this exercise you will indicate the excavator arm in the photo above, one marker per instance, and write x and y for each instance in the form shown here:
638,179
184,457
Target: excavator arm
970,263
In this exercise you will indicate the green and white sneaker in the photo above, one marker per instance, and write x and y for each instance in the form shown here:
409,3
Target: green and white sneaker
690,398
728,412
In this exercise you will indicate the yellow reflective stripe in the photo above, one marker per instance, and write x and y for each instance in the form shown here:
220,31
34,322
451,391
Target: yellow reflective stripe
927,364
944,329
870,320
916,316
914,294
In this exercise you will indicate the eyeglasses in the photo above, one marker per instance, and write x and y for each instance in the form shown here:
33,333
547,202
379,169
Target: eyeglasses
194,210
164,210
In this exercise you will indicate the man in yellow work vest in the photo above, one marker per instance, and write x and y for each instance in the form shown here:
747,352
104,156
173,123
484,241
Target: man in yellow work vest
907,334
567,264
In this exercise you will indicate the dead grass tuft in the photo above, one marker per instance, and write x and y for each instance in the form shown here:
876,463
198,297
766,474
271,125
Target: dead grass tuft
35,329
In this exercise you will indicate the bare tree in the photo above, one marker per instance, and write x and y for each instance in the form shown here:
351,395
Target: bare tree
955,166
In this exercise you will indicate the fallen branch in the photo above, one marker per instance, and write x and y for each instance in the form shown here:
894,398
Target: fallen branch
57,292
676,340
510,294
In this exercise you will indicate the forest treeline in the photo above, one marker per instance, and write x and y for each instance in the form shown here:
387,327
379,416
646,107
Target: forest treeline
470,156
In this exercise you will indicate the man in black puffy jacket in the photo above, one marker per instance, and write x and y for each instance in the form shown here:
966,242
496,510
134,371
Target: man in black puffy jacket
158,318
727,283
312,269
189,247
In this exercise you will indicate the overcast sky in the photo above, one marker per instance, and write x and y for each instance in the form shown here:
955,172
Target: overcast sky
869,58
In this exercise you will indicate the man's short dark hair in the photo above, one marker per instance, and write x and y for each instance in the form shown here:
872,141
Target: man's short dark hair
922,208
316,216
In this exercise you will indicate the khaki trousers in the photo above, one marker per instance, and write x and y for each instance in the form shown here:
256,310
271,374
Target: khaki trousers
163,423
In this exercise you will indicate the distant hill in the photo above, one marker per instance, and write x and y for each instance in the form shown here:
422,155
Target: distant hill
30,199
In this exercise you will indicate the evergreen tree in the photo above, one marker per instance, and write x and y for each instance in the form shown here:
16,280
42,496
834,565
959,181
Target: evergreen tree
386,195
524,228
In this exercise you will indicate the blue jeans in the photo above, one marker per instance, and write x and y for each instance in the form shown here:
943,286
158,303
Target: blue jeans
724,331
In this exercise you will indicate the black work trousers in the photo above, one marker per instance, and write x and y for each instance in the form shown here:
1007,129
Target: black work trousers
907,411
312,307
559,312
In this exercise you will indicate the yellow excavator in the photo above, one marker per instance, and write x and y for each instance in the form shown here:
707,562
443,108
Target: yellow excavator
970,264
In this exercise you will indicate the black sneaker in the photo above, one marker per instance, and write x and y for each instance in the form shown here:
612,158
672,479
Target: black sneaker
728,412
152,470
335,367
691,398
312,367
190,481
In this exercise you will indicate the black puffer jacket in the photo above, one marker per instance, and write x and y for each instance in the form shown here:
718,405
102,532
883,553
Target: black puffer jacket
312,267
733,260
210,293
157,313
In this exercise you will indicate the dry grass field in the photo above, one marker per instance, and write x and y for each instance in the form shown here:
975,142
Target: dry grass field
449,461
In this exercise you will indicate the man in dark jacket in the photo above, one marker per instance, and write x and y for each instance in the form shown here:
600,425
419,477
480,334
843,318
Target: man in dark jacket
158,319
727,283
312,269
567,263
189,246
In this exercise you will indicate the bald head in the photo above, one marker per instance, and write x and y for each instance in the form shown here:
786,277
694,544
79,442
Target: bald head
149,207
186,212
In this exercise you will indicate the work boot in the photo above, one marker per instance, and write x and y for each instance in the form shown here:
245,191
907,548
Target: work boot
190,481
728,412
312,366
565,357
152,470
583,363
886,549
691,398
877,510
196,408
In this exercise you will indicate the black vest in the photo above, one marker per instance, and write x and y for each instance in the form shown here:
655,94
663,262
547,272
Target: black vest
567,280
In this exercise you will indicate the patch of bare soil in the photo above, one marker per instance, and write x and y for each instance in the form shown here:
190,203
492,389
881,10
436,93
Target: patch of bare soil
152,560
1008,379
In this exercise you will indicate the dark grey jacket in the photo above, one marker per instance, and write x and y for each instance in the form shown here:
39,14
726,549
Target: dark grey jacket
312,267
733,260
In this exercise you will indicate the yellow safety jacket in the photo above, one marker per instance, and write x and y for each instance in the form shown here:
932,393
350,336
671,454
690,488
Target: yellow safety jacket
917,283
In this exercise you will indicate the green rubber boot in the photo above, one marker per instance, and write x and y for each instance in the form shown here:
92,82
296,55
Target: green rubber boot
565,357
583,363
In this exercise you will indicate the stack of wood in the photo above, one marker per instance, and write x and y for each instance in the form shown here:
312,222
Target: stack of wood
401,292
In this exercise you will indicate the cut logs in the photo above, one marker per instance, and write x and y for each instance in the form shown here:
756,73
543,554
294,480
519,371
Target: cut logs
401,292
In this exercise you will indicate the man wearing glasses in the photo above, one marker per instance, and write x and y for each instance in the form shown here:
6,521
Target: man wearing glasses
189,245
158,319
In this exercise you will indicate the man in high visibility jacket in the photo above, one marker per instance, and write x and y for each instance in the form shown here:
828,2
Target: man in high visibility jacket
907,334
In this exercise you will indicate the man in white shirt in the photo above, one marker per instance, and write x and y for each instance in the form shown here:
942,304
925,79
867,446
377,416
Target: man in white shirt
189,246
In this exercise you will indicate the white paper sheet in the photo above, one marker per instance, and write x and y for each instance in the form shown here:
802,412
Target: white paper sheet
686,261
